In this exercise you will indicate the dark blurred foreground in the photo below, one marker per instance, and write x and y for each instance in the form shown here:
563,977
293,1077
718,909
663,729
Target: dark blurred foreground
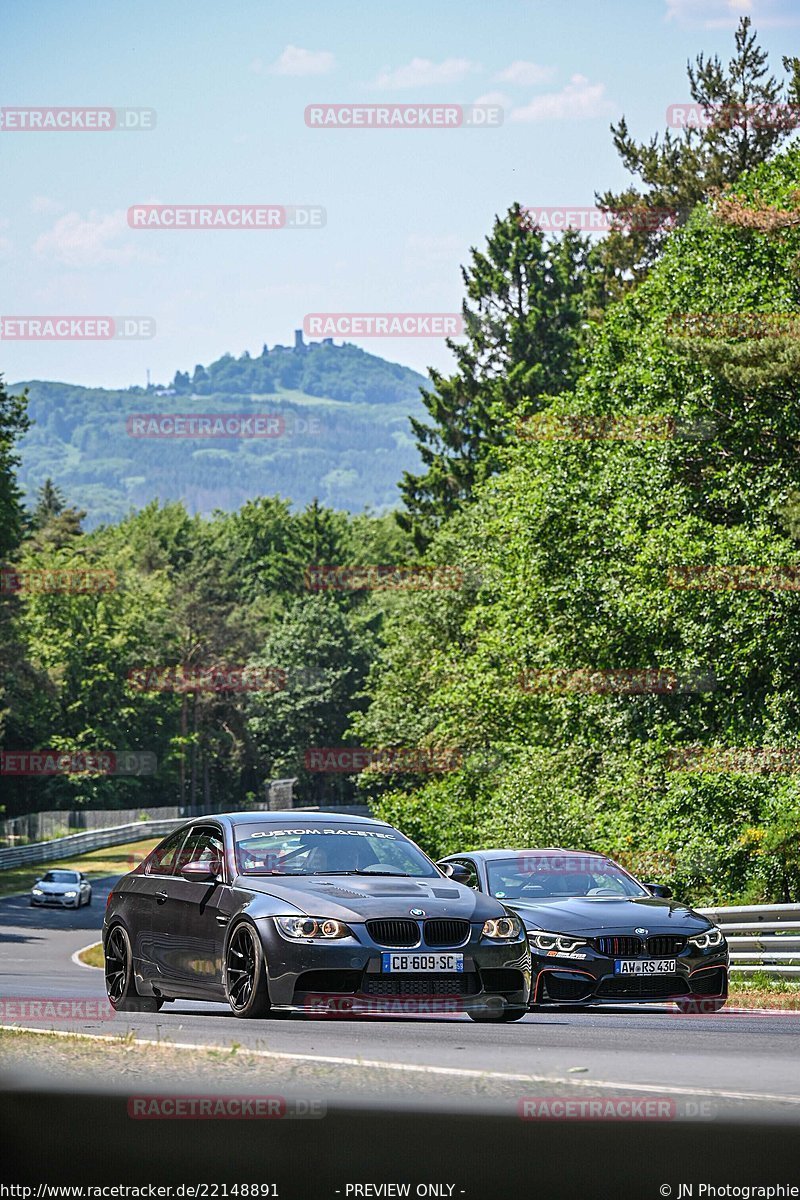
87,1137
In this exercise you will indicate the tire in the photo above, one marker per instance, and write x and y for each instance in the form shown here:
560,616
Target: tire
246,973
498,1018
89,900
699,1005
118,971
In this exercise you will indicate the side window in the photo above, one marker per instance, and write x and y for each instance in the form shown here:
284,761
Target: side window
203,845
162,859
473,881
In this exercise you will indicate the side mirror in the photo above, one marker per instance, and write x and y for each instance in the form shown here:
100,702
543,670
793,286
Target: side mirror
199,872
455,871
659,890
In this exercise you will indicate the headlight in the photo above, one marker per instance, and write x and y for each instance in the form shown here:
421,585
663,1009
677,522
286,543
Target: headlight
70,895
37,892
705,941
501,928
312,927
555,941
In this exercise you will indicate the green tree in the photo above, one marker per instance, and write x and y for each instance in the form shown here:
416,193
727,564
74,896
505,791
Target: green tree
525,325
750,115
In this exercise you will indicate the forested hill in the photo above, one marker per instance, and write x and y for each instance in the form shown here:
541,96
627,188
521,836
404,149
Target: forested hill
343,434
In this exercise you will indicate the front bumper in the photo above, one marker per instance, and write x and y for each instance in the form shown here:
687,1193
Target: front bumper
345,975
56,901
592,979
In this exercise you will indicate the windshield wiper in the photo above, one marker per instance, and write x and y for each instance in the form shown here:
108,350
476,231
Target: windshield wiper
359,871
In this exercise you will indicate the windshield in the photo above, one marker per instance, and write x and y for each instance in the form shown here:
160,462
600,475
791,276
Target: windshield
60,877
338,850
530,876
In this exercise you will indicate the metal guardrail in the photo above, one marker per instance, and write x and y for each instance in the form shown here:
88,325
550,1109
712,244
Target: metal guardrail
762,937
80,843
97,839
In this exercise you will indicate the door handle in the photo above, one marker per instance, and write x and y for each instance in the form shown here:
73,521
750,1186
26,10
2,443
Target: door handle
161,897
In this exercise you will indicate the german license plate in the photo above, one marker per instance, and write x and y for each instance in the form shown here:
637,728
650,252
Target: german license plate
421,963
644,966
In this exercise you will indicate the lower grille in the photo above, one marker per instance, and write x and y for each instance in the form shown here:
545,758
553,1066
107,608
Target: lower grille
398,932
422,985
619,947
665,946
502,979
342,981
446,931
710,983
641,987
554,988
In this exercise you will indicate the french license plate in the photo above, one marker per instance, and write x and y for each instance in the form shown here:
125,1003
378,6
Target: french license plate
644,966
421,963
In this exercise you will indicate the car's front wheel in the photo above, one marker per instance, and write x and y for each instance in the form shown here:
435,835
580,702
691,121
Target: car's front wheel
246,974
498,1016
120,984
700,1006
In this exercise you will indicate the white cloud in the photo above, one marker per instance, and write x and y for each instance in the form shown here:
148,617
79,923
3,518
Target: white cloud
579,100
527,74
725,14
498,98
423,72
296,61
45,204
93,241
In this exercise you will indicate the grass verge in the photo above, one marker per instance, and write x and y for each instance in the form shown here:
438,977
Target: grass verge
113,860
92,956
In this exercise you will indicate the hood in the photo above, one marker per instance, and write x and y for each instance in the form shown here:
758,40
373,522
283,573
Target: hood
600,914
57,889
359,897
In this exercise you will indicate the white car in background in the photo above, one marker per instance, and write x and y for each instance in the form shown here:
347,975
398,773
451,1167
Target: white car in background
65,889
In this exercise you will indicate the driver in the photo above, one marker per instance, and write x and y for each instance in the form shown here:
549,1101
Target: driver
339,853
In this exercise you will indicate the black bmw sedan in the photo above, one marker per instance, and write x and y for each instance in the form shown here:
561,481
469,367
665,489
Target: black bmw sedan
306,912
598,935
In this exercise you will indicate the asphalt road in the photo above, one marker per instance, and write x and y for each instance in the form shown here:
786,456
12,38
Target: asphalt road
749,1060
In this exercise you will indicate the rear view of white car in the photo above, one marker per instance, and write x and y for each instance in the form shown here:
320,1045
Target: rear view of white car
64,889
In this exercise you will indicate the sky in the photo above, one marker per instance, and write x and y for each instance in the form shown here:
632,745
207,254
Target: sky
229,85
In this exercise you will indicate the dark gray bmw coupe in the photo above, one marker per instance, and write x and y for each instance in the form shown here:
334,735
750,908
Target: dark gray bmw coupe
309,912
